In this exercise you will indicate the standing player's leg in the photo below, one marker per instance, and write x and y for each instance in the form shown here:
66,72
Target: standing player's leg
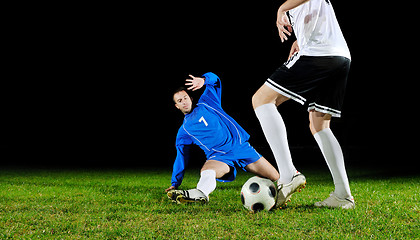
331,150
265,102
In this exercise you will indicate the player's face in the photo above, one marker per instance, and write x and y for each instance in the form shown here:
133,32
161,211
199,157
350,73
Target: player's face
183,102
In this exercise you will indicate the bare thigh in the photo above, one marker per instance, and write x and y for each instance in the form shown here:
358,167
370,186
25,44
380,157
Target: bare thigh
266,95
220,168
263,169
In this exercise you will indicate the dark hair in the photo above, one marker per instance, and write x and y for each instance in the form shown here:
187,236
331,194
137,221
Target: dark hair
180,89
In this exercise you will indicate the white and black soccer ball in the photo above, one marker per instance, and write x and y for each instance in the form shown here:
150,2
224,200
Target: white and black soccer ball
258,194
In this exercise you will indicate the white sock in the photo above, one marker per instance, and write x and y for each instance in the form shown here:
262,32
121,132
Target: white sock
333,155
275,132
207,182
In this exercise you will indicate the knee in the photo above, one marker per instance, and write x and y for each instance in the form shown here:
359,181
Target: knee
222,171
266,95
312,128
256,100
319,123
219,167
260,98
315,127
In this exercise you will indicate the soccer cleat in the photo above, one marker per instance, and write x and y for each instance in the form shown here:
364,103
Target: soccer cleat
333,201
172,194
285,191
187,196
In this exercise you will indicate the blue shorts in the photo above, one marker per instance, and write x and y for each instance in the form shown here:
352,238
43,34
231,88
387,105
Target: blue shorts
241,156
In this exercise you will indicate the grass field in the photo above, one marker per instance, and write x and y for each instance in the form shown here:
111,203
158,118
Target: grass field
131,204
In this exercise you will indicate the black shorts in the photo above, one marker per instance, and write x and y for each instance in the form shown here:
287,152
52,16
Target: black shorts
318,82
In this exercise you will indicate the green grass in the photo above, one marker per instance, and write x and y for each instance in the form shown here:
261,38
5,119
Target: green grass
117,204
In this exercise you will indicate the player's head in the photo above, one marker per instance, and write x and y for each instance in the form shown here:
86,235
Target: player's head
182,100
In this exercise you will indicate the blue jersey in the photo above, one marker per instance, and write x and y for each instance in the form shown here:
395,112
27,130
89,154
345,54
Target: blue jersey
207,126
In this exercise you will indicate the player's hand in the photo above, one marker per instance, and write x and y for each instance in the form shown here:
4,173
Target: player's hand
195,83
170,188
283,23
294,49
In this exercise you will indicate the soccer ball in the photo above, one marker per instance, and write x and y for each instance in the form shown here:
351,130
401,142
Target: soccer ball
258,194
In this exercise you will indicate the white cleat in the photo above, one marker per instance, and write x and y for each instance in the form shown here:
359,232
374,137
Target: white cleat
285,191
333,201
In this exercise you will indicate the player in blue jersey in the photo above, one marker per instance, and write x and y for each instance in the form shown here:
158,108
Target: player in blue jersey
224,142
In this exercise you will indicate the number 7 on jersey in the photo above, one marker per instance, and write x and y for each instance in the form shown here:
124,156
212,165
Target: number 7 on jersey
203,120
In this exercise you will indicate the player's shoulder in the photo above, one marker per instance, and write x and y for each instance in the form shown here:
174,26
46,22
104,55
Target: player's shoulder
182,133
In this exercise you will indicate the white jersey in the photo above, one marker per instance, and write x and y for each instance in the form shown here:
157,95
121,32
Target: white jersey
317,30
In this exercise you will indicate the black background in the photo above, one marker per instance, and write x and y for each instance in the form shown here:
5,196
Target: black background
91,86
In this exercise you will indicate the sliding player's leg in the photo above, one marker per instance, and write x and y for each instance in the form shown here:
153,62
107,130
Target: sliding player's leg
264,169
211,170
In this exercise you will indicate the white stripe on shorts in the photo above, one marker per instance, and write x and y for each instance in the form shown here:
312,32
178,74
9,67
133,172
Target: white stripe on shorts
324,109
283,91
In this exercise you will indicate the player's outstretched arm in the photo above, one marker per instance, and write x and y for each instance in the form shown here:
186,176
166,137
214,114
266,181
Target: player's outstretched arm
195,82
213,93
